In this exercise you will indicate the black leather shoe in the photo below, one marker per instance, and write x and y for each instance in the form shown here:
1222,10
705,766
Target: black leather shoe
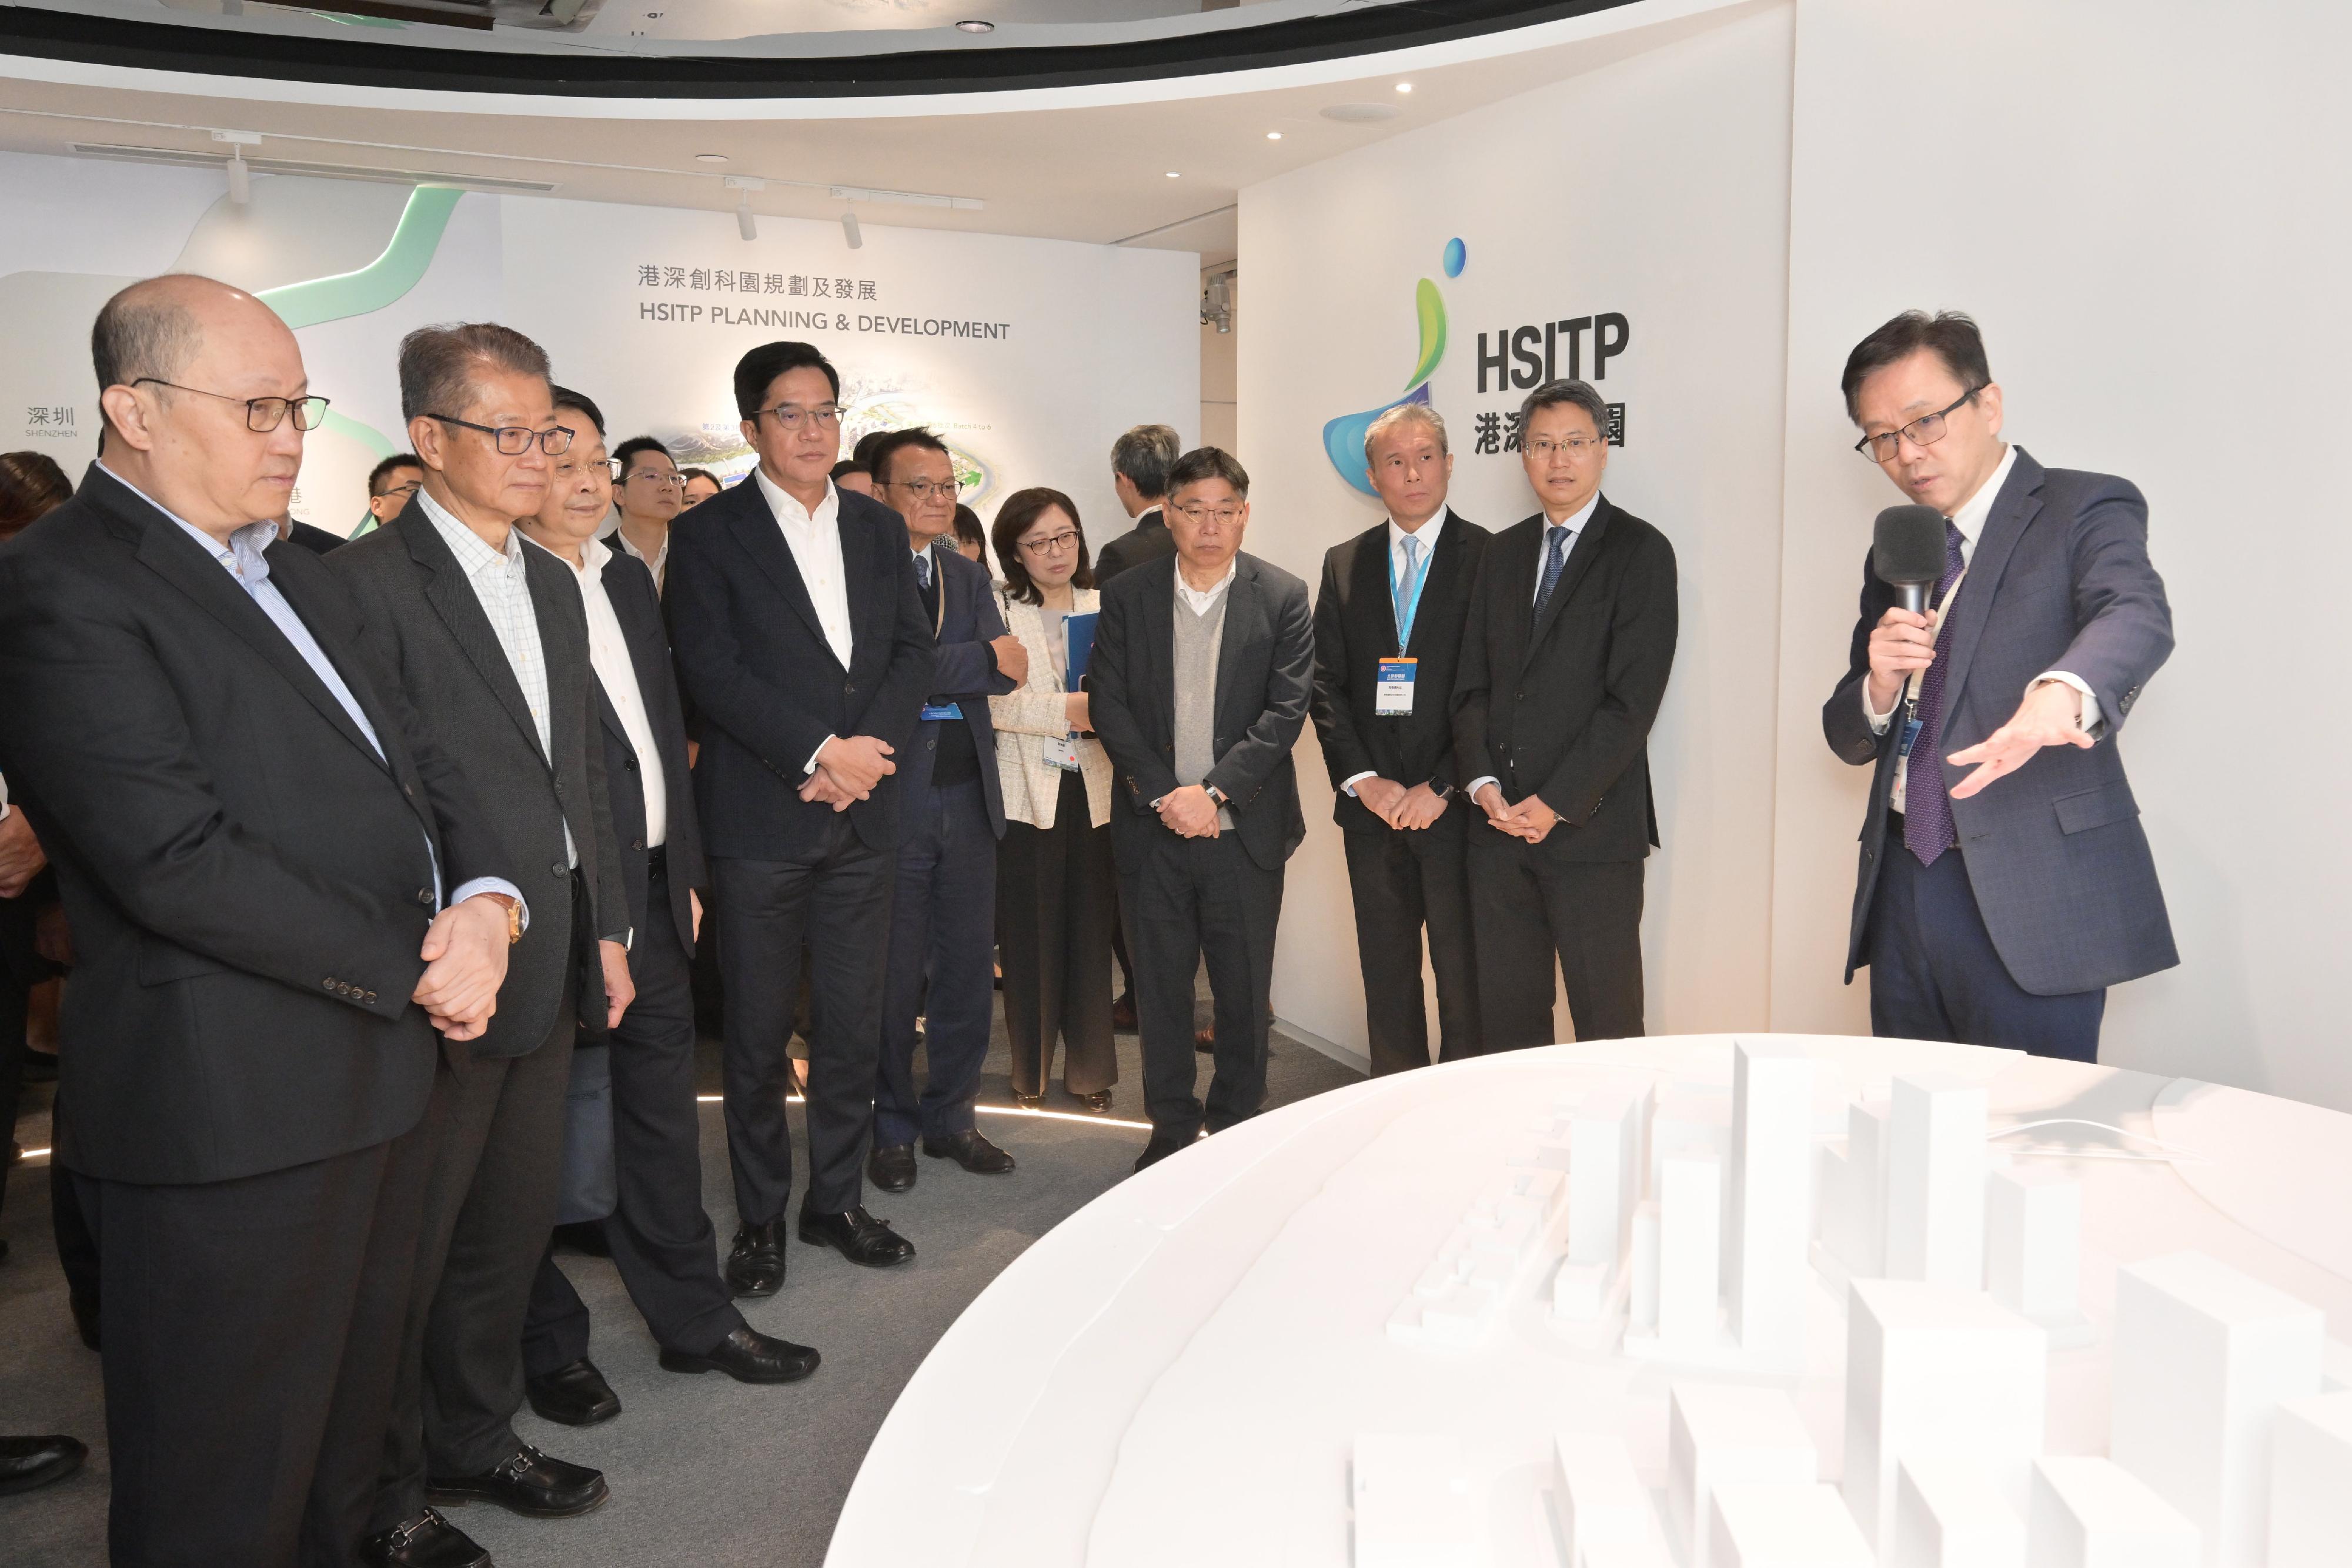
29,1462
858,1236
1029,1101
528,1483
747,1356
1161,1146
1122,1014
1098,1101
573,1395
428,1541
756,1266
972,1151
891,1166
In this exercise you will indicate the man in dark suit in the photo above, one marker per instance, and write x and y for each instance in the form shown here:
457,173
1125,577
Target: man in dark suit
801,644
660,1237
392,484
489,640
1989,909
1387,641
280,888
950,814
1571,635
1202,666
317,540
1140,461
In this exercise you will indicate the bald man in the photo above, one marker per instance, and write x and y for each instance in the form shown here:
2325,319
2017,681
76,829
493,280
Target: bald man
279,891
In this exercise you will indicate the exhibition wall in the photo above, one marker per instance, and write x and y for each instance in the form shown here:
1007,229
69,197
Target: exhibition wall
1027,356
2141,205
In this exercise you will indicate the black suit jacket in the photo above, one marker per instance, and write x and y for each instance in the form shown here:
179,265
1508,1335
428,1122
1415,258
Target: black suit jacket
1148,540
1355,629
317,540
630,588
764,685
1266,668
428,635
1561,706
965,674
248,880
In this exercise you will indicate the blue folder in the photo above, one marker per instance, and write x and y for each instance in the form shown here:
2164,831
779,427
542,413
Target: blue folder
1077,642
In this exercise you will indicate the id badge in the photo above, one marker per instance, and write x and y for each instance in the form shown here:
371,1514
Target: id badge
940,711
1062,751
1392,696
1911,728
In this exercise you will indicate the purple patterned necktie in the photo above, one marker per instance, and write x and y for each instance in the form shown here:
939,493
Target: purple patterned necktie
1926,805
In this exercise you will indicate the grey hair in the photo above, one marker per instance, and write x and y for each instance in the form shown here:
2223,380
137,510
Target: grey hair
146,329
438,364
1552,394
1144,455
1419,414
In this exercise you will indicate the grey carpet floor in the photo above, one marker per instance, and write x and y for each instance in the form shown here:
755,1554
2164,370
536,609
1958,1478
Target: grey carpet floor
703,1469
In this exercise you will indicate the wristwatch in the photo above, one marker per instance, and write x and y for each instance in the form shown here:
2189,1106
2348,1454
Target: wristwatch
1217,797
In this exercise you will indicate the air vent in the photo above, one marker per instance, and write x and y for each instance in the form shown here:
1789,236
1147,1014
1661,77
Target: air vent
318,171
1362,113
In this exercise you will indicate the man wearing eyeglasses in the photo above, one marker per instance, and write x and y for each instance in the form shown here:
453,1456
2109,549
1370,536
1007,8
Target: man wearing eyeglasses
280,887
1572,637
391,483
802,643
488,640
2005,881
951,815
649,493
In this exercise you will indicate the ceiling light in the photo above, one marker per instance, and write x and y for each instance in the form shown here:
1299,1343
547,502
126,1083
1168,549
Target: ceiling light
850,231
1405,87
240,176
1359,113
1274,136
743,186
975,26
1174,175
710,157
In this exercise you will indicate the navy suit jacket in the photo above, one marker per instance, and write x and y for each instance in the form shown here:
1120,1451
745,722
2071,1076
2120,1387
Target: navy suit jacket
966,675
2056,854
765,687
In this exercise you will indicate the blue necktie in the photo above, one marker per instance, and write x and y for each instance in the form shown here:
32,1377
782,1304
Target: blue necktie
1404,591
1556,547
923,570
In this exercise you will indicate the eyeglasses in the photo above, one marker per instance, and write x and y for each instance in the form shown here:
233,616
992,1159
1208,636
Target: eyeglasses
1542,448
262,414
1225,516
923,489
514,440
673,481
611,467
1924,431
789,415
1058,544
403,491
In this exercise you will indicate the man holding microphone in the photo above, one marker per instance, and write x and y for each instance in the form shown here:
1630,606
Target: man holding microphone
1993,909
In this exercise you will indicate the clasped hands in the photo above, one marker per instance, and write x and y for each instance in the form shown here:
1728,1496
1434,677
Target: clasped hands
1189,814
465,953
847,770
1530,819
1412,809
2051,714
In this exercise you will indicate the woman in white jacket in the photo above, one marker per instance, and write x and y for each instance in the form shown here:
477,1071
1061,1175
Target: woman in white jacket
1054,889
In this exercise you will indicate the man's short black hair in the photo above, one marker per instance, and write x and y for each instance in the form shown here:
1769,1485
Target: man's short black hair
887,450
864,451
388,467
1952,336
756,372
1208,462
565,397
1562,393
635,446
848,465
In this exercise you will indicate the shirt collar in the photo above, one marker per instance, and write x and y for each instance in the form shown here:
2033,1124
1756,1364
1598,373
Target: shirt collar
1427,533
1575,522
1972,513
1201,595
474,553
593,554
242,555
788,509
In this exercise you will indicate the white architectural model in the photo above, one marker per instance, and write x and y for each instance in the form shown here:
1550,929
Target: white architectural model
1766,1275
1934,1202
1412,1502
1601,1505
1717,1434
2311,1482
2033,1247
2094,1513
1767,1526
1950,1513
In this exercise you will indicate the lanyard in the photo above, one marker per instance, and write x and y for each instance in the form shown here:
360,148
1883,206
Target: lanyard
1405,609
1943,612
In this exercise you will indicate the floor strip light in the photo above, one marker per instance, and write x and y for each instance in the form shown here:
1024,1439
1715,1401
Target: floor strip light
1088,1117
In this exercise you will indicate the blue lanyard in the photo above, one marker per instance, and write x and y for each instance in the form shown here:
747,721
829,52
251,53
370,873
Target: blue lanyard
1406,609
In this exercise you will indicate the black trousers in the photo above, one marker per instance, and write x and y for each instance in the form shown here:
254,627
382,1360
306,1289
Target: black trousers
252,1333
1525,906
21,968
488,1207
662,1242
1404,882
941,965
1056,907
1187,900
1936,975
837,900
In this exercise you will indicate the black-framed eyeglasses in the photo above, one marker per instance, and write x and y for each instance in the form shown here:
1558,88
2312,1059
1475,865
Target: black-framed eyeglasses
610,466
262,414
1052,544
790,415
924,489
1924,431
403,491
514,440
672,481
1225,516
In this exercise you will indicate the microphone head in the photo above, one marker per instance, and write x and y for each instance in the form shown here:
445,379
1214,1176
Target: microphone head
1907,546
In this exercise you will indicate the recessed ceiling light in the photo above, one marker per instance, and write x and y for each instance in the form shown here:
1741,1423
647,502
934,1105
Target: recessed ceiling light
1274,136
1405,87
710,157
975,26
1174,175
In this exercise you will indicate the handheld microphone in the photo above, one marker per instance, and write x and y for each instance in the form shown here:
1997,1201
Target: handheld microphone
1906,552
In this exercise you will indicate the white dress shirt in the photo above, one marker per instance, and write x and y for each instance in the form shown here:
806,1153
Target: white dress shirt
1575,527
616,672
814,541
1970,519
1201,599
655,563
1400,579
501,585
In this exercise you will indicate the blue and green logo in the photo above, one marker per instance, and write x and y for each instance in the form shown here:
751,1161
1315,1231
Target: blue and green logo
1343,438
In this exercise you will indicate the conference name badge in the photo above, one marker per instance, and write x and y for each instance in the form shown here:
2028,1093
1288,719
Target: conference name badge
1062,751
933,712
1392,697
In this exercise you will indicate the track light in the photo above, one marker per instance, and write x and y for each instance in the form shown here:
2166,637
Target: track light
1217,302
743,186
240,173
850,231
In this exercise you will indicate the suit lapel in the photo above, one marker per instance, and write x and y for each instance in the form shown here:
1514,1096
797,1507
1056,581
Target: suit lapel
762,539
1242,616
2014,511
556,605
1444,565
1582,553
1372,606
452,597
1160,639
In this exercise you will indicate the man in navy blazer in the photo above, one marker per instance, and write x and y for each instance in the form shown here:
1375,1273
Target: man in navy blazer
950,814
1995,909
803,648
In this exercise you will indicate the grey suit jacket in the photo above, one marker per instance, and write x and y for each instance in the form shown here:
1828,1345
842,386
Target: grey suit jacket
2056,854
427,635
1265,674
